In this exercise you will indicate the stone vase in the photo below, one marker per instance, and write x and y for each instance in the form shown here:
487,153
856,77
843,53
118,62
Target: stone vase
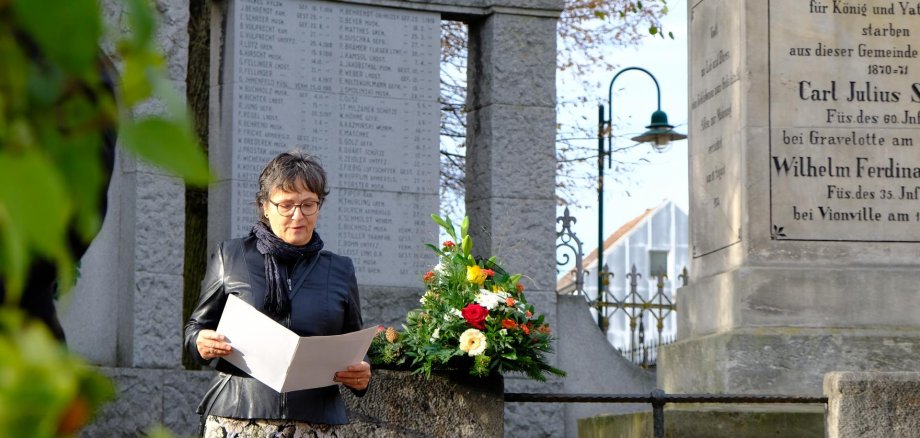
402,404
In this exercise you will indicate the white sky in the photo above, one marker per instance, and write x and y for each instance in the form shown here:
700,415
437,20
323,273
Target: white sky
642,185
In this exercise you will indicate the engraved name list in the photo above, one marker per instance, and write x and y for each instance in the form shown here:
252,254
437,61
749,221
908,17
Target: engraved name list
358,87
844,120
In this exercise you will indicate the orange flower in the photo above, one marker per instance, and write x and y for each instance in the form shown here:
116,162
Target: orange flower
508,324
428,276
528,314
448,244
510,302
392,336
544,329
519,287
526,328
488,272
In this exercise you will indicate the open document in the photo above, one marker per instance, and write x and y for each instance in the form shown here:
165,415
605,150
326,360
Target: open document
278,357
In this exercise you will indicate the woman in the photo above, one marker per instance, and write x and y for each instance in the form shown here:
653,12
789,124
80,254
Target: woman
281,269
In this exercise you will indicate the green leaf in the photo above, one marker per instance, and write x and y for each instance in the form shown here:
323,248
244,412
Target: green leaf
159,431
34,192
44,87
34,210
434,248
175,103
467,245
446,225
13,254
169,145
85,179
141,22
67,32
135,84
653,30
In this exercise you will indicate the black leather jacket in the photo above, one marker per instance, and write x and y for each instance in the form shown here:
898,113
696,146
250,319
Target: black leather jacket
324,301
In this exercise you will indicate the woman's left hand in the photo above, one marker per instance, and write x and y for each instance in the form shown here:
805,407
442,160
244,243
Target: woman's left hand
356,376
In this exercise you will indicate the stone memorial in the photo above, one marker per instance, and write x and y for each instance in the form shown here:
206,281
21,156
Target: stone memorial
805,213
356,86
355,82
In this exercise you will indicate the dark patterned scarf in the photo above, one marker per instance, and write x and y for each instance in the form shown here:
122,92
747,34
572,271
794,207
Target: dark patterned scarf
278,252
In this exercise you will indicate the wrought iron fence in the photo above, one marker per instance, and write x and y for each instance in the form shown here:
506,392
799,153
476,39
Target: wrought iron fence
657,308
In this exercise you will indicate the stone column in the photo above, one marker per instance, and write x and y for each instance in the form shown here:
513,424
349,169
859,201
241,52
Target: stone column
510,169
126,310
153,231
804,239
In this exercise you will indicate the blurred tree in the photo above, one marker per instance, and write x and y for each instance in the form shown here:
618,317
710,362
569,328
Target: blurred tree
59,110
586,30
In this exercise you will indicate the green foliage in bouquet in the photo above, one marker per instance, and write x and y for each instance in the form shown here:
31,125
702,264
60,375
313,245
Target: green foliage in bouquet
473,317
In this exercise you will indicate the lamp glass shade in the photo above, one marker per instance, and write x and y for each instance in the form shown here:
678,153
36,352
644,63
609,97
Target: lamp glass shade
659,133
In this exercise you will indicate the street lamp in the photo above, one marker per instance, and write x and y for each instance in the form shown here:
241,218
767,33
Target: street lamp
659,133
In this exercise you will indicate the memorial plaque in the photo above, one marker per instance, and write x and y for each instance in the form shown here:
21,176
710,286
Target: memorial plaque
715,126
844,119
358,87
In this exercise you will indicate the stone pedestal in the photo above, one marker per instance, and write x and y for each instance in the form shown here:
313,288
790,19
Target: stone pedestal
803,217
401,404
872,405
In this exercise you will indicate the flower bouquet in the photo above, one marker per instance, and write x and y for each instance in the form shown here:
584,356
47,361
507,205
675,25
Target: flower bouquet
473,316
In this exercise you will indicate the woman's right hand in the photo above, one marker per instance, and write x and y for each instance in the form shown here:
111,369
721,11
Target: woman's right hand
211,344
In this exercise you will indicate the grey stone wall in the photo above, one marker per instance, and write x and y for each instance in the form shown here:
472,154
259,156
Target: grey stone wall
398,404
148,397
872,404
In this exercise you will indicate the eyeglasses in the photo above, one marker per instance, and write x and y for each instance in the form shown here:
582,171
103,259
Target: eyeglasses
286,209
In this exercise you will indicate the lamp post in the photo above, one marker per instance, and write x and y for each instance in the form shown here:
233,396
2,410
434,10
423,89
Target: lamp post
659,133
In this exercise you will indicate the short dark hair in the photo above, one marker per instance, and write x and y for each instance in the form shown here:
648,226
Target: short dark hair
289,171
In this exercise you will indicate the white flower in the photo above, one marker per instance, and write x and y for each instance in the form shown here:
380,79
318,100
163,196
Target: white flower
436,334
490,300
438,269
473,342
456,312
504,332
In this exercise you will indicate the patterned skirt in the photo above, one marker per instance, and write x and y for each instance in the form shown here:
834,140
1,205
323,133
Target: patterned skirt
221,427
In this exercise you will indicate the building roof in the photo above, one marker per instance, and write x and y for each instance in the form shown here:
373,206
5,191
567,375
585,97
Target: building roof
568,280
